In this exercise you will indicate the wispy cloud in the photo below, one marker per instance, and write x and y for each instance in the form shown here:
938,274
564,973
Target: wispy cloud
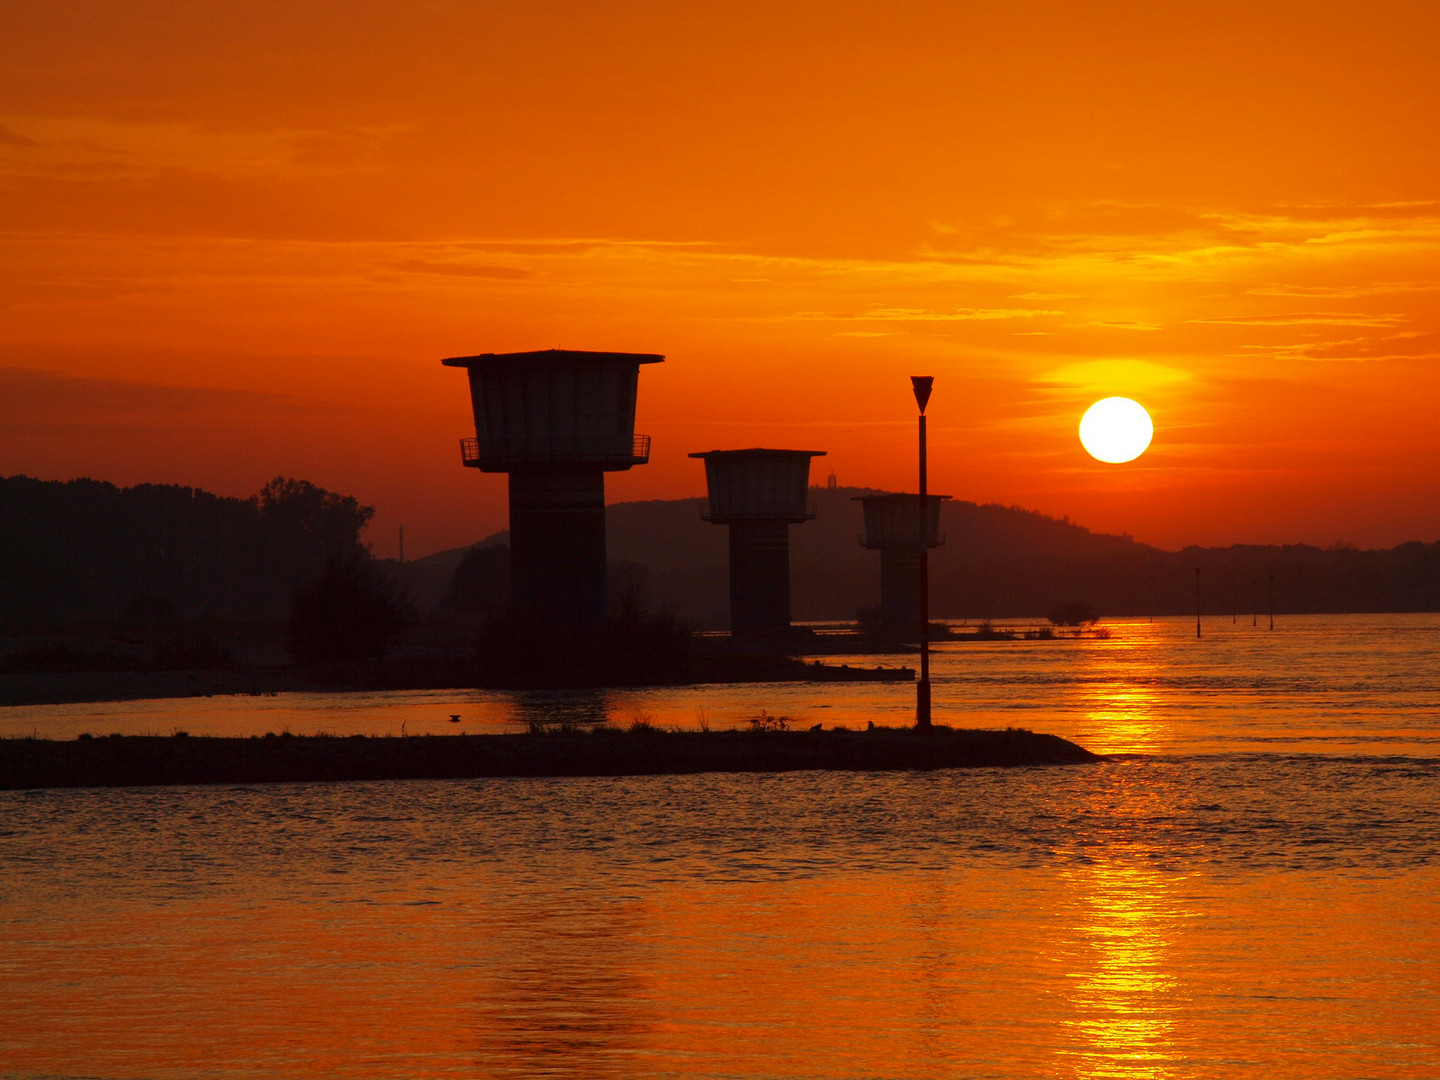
458,269
1405,346
584,245
1112,376
1346,292
928,315
1127,324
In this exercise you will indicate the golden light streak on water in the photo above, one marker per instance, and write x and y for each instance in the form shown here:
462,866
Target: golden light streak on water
1116,694
1125,992
1121,720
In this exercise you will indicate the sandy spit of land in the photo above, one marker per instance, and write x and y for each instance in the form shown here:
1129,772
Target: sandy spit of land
145,760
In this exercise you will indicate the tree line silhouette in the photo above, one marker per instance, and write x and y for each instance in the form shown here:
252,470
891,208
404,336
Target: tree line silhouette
91,550
88,550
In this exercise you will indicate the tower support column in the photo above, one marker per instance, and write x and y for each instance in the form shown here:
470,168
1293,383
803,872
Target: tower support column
759,576
900,588
557,543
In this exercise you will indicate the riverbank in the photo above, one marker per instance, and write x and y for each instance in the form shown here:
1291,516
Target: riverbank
147,760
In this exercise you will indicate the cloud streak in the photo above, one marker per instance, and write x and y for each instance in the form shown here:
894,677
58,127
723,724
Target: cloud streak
1347,292
1308,318
927,315
457,269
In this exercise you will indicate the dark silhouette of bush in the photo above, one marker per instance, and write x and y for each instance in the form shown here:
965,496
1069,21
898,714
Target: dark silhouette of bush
630,648
870,622
1074,613
765,722
481,582
308,527
986,631
350,612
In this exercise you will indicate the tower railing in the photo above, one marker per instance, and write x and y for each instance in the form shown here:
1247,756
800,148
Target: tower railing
502,453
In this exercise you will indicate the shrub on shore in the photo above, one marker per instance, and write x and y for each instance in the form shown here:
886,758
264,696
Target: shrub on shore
350,612
630,648
1074,613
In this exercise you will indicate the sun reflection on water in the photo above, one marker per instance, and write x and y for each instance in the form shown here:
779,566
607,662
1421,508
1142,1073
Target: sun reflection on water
1118,697
1124,995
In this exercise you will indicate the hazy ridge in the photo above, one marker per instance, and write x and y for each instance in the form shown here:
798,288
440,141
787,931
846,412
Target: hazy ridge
996,562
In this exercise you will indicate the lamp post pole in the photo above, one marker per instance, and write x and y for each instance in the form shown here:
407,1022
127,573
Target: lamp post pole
921,385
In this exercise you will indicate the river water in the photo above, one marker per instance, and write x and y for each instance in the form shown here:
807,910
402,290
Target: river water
1250,887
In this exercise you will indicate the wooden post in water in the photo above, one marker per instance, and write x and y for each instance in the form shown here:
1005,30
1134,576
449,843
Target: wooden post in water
1197,601
1272,601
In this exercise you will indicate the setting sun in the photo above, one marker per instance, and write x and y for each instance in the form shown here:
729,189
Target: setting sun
1116,429
215,274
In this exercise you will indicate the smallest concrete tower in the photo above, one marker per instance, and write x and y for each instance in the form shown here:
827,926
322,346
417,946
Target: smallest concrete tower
759,494
893,527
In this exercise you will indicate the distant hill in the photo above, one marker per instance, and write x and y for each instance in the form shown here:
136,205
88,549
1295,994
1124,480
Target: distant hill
832,576
1004,562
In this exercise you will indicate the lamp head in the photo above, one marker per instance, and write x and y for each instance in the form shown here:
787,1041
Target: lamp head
921,384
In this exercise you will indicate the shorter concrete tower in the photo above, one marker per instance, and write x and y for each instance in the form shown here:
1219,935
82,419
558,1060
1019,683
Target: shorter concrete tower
759,494
557,421
893,527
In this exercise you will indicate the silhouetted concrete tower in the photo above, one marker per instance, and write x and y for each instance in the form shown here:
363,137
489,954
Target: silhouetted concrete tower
759,494
557,421
892,526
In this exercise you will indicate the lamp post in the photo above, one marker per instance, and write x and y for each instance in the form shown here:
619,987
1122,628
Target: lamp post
921,385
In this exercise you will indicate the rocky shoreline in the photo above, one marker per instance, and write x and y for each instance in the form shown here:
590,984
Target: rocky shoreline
147,760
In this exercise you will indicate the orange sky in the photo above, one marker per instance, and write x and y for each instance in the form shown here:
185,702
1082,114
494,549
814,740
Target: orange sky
237,238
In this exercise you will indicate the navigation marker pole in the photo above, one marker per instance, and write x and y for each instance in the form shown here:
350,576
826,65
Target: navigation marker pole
1197,601
921,385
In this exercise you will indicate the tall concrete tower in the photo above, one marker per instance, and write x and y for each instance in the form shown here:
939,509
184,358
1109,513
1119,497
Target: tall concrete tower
557,422
759,494
893,527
